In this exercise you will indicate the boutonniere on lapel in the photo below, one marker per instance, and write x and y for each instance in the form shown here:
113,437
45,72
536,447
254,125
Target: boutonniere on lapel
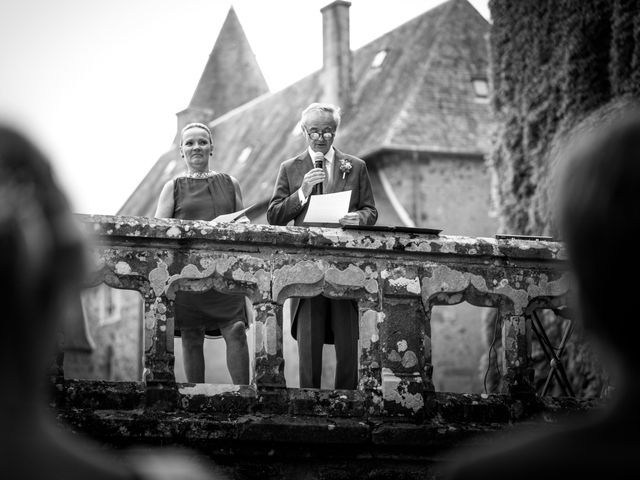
345,166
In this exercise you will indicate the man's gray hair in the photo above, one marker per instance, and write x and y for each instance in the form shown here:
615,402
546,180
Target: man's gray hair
323,107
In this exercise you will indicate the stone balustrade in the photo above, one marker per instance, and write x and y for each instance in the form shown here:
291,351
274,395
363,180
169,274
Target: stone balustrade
396,278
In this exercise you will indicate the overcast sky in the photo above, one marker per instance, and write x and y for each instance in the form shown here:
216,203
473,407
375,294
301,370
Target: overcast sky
97,84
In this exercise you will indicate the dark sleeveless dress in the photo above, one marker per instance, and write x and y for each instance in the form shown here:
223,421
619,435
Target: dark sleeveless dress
205,199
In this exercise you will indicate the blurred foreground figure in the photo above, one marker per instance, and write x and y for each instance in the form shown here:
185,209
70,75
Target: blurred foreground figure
41,263
599,217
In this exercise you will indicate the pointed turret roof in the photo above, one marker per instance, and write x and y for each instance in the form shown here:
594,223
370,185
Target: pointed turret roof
231,76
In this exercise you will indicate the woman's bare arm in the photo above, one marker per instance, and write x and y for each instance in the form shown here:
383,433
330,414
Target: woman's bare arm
165,202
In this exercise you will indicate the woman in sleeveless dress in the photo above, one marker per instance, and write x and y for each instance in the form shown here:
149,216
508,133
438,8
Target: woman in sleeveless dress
202,194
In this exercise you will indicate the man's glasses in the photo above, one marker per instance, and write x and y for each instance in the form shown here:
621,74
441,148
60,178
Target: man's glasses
317,135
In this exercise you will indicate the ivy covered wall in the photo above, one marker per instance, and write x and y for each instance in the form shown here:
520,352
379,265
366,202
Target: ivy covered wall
552,62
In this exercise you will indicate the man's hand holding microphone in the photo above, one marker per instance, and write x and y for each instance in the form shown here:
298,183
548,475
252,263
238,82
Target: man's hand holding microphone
312,184
314,177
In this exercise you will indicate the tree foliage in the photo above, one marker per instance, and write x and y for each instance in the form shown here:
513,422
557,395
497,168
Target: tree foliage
553,61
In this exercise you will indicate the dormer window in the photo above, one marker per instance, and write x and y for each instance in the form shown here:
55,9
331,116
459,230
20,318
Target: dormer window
480,88
244,155
378,60
169,168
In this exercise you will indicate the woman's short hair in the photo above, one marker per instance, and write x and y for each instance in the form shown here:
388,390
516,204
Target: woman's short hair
189,126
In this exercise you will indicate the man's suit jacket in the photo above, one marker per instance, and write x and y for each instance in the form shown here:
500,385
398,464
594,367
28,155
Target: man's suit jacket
285,203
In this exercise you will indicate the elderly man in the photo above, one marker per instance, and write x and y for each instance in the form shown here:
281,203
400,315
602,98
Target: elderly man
320,320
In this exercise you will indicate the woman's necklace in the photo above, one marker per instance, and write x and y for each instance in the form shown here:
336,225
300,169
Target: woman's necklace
207,174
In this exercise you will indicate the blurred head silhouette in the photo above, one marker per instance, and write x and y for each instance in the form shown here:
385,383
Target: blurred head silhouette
598,215
599,218
41,260
42,267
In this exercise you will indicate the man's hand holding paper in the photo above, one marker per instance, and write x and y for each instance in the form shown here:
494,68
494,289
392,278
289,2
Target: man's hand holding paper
328,208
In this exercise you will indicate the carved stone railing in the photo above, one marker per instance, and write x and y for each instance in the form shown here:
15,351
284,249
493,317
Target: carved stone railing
395,278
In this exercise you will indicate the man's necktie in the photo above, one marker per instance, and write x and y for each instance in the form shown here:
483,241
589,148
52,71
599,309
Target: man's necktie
327,179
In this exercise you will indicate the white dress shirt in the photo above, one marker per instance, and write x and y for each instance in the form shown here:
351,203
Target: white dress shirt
328,164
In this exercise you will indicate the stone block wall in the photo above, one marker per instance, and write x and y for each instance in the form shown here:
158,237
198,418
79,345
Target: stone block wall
448,192
396,279
394,424
552,63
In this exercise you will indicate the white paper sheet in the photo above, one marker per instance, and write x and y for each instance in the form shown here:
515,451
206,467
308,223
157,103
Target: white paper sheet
328,208
232,217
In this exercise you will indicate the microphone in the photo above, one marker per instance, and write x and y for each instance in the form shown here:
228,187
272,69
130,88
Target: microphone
318,161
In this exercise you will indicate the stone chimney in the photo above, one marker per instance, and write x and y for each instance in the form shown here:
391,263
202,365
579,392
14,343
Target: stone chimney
337,65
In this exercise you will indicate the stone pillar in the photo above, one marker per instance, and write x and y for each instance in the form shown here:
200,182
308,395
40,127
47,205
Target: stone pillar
159,358
369,364
405,363
516,357
269,356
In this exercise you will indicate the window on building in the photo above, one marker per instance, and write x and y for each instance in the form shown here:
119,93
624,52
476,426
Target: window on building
378,60
244,155
480,88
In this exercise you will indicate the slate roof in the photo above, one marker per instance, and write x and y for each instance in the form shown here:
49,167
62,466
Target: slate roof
420,99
